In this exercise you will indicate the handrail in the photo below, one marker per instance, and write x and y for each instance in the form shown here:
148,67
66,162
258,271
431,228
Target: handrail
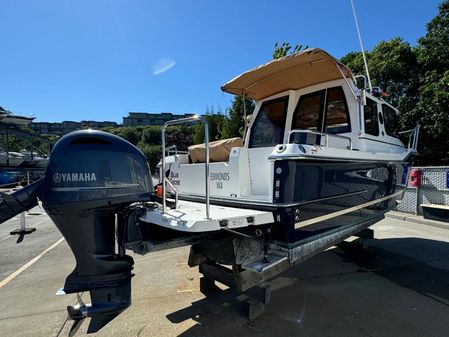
170,148
195,118
325,135
173,149
174,188
413,137
406,131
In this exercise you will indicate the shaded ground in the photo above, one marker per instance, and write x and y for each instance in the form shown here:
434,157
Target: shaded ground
399,286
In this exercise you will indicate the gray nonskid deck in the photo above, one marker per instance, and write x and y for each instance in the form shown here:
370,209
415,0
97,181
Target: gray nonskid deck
191,217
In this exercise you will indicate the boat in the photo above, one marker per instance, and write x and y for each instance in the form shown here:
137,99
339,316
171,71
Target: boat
321,161
16,119
3,112
33,160
11,158
319,152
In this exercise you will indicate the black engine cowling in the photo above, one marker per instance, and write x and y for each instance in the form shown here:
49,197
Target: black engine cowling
91,178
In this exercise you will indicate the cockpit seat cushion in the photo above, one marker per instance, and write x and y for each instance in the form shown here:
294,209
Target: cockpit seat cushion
219,150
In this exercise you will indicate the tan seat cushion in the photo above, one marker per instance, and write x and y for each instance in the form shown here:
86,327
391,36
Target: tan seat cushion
219,150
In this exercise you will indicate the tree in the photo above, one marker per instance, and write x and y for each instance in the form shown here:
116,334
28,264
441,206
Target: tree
151,135
284,48
214,120
393,67
433,48
234,125
417,80
152,154
432,112
131,134
432,108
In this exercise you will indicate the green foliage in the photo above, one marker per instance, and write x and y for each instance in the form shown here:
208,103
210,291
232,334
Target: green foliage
131,134
433,48
151,135
214,120
234,125
392,66
152,153
432,99
27,140
432,112
148,139
284,48
181,136
417,80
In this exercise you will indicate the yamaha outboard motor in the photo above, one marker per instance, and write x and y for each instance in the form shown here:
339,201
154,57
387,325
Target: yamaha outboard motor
91,179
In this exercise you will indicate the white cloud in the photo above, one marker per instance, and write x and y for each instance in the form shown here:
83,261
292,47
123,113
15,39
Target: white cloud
162,66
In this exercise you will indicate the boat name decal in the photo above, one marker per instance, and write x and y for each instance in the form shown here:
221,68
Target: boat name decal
75,176
220,176
174,178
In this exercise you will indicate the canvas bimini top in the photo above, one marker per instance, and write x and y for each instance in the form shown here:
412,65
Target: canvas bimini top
293,72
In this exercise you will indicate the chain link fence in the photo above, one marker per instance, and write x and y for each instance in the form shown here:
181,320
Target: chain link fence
433,190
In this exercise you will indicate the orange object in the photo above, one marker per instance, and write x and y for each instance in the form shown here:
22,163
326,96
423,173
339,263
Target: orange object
159,191
415,178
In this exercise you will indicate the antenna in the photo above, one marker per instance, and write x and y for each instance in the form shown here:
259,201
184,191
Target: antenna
361,46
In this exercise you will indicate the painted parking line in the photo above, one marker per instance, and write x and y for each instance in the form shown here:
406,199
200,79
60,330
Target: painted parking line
28,264
6,237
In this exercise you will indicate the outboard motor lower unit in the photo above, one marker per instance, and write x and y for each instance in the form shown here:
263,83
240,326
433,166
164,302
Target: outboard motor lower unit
91,179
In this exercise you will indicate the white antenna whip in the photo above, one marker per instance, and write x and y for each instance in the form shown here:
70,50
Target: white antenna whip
361,46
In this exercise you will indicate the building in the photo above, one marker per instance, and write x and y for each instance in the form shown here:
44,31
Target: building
133,119
68,126
145,118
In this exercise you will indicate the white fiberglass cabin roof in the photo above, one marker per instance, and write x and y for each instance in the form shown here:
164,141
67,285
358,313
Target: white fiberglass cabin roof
293,72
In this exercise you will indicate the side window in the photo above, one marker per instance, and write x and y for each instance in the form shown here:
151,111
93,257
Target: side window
337,113
391,121
308,111
370,114
268,128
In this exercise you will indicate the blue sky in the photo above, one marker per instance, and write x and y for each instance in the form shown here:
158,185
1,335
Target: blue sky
100,59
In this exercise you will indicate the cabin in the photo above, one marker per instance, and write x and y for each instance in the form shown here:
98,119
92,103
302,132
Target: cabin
308,107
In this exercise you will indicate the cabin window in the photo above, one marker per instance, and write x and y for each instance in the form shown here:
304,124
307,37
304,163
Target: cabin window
391,121
268,128
371,122
337,113
309,112
307,115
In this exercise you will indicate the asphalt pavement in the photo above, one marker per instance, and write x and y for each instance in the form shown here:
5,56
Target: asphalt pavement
399,286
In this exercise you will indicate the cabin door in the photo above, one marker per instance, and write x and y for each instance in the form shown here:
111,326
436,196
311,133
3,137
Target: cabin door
266,132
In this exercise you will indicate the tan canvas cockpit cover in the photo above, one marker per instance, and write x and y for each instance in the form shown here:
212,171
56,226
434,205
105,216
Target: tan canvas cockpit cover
218,150
309,67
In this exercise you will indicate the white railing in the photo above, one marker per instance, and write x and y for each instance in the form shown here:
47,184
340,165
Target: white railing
165,180
173,150
322,134
412,137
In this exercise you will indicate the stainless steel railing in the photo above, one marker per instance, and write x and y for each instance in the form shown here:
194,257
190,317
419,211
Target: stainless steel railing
324,135
172,149
165,180
412,137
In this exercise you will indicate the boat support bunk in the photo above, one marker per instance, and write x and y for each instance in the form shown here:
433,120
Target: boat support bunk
251,280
